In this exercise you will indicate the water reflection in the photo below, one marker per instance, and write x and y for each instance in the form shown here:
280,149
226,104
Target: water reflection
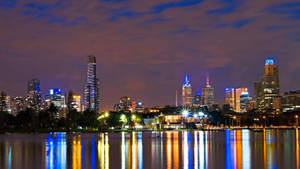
230,149
56,151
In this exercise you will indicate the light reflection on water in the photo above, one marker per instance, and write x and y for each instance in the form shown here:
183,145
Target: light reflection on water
230,149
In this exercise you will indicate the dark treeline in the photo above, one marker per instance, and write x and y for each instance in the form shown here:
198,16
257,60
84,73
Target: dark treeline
30,120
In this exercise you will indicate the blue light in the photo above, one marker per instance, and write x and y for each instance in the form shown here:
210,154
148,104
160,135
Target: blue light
186,81
269,62
55,91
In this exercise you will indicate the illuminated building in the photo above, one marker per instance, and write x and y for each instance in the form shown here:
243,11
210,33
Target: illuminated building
197,100
208,93
76,104
290,101
34,99
17,105
140,107
124,104
4,102
55,97
238,99
187,98
230,97
268,88
91,89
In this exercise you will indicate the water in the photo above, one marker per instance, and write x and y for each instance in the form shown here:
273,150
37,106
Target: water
238,149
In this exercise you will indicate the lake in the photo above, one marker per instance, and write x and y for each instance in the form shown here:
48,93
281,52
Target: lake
238,149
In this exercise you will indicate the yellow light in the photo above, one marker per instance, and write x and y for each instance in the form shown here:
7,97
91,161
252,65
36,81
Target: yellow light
133,117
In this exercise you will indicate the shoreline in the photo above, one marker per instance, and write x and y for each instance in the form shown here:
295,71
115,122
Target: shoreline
255,129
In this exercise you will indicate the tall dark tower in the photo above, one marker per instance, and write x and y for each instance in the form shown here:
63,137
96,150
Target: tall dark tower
34,99
268,88
208,93
91,88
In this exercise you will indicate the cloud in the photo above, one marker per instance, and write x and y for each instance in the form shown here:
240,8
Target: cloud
144,48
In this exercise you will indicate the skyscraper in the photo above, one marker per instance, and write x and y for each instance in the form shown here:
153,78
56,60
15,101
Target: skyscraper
56,97
91,89
238,99
187,98
268,88
230,97
34,99
208,93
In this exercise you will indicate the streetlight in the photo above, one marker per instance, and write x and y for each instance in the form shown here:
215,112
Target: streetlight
233,118
296,117
185,113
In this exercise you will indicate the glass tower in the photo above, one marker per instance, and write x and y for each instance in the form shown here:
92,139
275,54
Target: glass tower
91,89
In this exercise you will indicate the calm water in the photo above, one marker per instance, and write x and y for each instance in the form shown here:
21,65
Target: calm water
239,149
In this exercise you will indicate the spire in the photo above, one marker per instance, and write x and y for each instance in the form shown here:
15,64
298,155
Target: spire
186,81
207,79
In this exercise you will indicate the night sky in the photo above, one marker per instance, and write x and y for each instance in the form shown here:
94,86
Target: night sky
145,47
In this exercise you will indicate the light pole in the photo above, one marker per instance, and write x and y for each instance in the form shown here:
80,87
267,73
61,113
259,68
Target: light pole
233,119
296,117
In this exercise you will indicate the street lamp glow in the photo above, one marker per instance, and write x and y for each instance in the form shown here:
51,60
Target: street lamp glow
133,117
123,118
201,114
185,113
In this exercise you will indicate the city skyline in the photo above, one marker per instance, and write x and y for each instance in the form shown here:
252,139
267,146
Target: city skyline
144,52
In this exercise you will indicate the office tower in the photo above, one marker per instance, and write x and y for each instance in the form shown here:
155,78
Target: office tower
268,88
290,101
76,103
187,98
34,99
238,99
18,104
243,100
230,98
55,97
91,89
208,93
3,104
197,100
125,104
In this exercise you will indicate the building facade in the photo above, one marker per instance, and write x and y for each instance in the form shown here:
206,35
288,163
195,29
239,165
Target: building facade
55,97
268,88
91,89
34,98
208,93
187,97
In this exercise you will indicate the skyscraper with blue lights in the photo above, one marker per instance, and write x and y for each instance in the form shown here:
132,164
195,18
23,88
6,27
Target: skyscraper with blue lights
34,99
187,98
268,88
91,88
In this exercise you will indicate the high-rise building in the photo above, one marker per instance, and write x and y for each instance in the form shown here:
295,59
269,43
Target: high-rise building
290,101
3,104
76,104
125,104
197,100
187,97
91,89
268,88
55,97
230,98
208,93
34,99
17,105
238,99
